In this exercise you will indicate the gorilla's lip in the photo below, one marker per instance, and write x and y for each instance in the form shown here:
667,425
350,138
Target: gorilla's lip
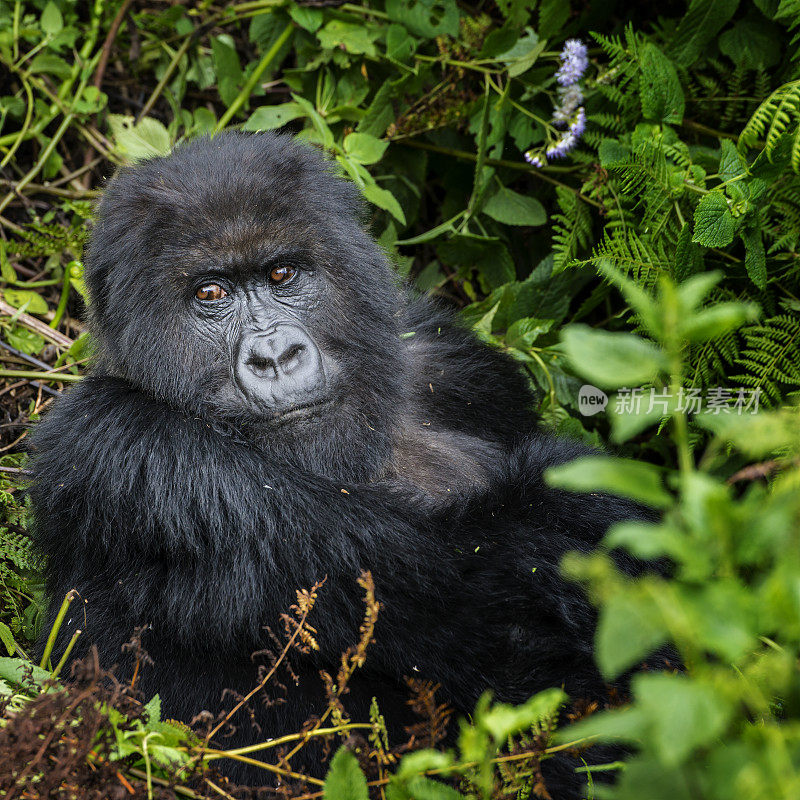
301,412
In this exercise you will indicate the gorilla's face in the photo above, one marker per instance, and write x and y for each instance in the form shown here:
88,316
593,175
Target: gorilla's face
233,280
272,364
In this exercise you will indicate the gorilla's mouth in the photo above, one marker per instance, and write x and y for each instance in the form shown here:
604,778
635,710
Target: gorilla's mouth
307,411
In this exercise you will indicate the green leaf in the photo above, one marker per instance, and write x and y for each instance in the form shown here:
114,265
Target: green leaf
7,638
52,21
384,199
268,118
379,114
522,56
731,162
50,64
503,720
364,148
21,672
659,87
358,39
428,18
32,302
709,323
227,67
688,256
399,43
636,480
611,360
713,221
146,139
345,780
627,632
703,20
307,18
525,331
7,272
683,714
491,259
511,208
755,259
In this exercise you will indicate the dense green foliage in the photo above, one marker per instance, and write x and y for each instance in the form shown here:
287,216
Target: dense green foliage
659,251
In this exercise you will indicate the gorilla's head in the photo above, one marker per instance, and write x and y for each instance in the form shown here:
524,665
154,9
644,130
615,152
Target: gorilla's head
232,279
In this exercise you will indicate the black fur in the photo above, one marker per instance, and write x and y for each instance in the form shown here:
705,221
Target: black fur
163,502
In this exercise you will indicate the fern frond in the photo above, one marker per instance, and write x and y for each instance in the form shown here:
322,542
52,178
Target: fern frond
572,228
779,114
771,357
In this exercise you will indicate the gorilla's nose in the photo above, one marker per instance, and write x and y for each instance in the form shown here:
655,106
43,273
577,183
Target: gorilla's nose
280,368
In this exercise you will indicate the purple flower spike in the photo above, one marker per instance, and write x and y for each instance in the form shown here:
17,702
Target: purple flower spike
578,125
574,61
535,161
560,148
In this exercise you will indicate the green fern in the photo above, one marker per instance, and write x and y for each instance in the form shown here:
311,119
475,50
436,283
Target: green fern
771,357
777,116
572,228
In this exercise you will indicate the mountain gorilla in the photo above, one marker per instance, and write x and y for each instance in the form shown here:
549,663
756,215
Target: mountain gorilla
269,408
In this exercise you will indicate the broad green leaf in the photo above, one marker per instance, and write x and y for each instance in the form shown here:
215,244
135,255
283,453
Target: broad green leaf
268,118
502,720
611,360
524,332
399,43
25,340
52,21
428,18
136,141
522,56
703,20
512,208
7,272
384,199
693,291
358,39
636,480
379,114
490,258
307,18
345,780
683,714
731,162
7,638
50,64
660,89
21,672
713,221
627,632
688,256
32,302
755,259
717,320
227,66
421,761
364,148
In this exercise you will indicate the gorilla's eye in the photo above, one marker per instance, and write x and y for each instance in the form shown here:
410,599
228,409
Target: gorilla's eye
210,291
282,275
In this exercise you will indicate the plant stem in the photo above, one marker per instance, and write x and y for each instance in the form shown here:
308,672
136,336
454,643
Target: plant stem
63,659
51,638
61,377
255,76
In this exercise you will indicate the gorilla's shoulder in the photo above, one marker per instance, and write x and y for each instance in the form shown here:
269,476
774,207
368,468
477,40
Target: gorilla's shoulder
100,402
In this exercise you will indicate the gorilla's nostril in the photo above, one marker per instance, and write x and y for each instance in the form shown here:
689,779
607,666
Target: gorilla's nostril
265,367
292,358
